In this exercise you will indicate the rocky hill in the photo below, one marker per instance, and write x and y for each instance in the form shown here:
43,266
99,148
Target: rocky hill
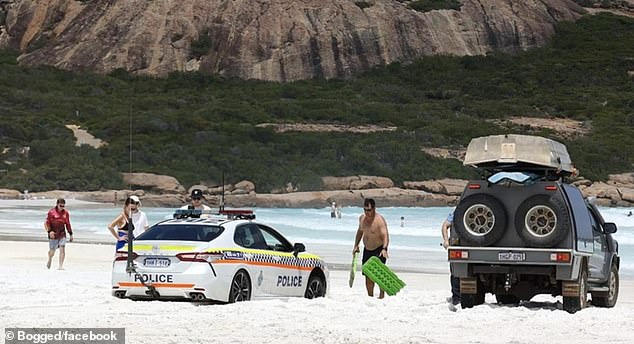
279,40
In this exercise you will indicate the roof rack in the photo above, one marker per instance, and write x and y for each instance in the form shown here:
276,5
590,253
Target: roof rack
230,214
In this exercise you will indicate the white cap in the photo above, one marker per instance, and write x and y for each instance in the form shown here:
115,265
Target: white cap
135,198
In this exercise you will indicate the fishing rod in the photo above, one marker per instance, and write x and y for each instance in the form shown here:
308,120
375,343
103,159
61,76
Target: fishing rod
130,265
222,195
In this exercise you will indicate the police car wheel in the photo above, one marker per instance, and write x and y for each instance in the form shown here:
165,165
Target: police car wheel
480,220
240,287
542,221
316,287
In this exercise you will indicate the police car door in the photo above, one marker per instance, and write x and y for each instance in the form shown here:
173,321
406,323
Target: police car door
258,261
290,279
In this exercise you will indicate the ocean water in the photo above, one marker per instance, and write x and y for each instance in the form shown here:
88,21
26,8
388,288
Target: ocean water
414,246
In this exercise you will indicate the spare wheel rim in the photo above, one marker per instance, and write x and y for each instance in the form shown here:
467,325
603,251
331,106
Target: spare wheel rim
540,221
479,220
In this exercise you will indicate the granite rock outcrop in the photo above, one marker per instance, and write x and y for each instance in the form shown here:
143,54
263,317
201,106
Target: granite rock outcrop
618,191
278,40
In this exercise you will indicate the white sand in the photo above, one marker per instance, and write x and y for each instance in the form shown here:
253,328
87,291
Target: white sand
79,296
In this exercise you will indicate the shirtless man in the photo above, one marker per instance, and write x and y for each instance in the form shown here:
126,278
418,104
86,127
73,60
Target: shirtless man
373,230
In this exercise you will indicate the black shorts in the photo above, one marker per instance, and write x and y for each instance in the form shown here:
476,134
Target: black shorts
369,253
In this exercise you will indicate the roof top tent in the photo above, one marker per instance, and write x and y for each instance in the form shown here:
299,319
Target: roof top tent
519,153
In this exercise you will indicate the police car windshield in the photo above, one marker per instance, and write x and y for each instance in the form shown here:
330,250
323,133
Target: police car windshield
181,232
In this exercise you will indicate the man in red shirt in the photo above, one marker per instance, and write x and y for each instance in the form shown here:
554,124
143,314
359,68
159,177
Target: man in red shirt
56,225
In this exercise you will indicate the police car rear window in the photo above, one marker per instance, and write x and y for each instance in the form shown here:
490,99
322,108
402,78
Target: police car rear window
181,232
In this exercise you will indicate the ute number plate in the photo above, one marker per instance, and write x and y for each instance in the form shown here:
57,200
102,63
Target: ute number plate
511,256
156,262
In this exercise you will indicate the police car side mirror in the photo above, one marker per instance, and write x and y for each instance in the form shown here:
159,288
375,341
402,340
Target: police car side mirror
297,248
609,227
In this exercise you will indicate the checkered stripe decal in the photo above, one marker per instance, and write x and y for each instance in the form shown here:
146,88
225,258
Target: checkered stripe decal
285,260
259,256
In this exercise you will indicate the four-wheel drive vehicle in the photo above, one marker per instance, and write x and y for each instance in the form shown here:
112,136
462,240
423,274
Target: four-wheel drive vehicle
523,230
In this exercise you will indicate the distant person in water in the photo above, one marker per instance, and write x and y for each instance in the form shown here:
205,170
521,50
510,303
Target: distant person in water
333,209
402,221
630,213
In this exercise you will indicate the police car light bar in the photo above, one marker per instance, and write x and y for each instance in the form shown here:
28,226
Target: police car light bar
231,214
238,213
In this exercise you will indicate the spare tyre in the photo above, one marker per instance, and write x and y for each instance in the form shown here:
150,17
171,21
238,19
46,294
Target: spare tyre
542,221
480,220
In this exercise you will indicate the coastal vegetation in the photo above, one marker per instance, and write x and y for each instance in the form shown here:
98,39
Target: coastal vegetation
429,5
196,127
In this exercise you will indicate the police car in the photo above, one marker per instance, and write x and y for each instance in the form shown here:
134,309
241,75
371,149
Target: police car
226,257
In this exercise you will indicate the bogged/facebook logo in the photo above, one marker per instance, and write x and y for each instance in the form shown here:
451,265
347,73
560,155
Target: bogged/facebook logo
60,335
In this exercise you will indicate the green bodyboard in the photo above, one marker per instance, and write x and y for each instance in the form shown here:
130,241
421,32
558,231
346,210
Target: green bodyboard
353,268
383,276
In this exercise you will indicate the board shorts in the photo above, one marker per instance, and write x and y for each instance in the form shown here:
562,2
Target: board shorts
55,243
372,253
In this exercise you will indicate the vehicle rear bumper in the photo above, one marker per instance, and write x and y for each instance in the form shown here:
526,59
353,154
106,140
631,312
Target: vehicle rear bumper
481,260
199,279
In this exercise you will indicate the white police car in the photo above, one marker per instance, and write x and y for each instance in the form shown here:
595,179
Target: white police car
227,257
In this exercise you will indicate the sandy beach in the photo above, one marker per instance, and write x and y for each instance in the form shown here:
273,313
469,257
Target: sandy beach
79,296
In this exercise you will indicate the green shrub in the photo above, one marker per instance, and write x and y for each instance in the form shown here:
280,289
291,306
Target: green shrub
363,4
430,5
201,46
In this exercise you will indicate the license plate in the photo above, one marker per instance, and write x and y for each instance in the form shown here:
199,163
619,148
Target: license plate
156,262
511,256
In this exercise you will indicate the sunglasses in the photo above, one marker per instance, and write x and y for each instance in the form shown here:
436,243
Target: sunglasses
368,209
61,205
196,198
135,203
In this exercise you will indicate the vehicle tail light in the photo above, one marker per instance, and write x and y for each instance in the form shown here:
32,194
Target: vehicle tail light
474,186
551,187
458,254
123,255
204,257
561,257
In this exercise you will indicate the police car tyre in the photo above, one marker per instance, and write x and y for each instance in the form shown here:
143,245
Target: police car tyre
542,221
316,286
572,304
609,299
507,299
240,287
480,220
